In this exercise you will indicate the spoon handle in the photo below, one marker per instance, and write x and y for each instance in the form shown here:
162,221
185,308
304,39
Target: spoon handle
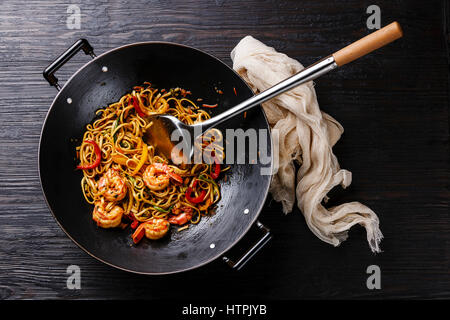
369,43
351,52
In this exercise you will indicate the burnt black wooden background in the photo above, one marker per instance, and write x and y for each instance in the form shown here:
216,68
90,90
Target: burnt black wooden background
393,104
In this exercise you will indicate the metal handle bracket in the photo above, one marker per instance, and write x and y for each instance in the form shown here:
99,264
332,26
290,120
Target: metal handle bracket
49,72
237,265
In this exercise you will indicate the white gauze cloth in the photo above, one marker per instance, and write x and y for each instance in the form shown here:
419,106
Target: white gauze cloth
306,135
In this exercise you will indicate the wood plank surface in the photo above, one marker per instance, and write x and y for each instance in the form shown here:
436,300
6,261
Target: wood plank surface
393,105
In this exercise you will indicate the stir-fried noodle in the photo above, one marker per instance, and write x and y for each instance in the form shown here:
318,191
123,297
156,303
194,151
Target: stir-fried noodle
129,182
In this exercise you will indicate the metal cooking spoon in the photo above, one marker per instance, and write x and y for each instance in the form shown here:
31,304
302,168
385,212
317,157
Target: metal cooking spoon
159,134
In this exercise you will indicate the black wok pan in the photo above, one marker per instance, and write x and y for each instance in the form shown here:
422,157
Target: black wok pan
104,80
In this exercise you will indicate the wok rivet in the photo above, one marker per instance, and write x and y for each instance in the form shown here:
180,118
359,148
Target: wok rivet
69,100
246,211
105,69
212,245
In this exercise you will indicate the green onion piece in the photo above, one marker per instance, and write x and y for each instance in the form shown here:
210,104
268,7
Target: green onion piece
163,210
204,178
114,126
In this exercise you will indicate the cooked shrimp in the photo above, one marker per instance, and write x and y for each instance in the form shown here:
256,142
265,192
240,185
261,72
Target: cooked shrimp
107,215
182,214
112,186
156,228
153,229
157,176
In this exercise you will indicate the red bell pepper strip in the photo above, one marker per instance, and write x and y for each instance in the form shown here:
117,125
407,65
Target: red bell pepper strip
138,234
134,224
216,172
197,199
98,157
132,219
137,108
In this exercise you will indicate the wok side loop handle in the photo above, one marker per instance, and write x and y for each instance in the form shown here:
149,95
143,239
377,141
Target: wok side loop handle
49,72
237,265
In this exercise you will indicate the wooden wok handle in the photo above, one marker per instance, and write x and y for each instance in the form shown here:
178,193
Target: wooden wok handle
368,44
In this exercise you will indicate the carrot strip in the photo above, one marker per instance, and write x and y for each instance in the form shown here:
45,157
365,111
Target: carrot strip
142,160
210,105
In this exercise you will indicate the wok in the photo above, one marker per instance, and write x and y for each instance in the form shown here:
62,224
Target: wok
102,81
